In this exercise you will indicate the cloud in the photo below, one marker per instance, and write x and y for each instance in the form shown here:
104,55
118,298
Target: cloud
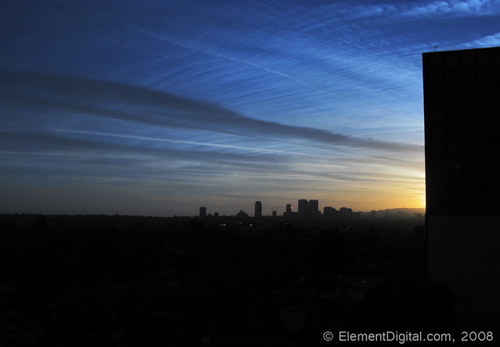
141,104
187,142
484,42
78,150
451,8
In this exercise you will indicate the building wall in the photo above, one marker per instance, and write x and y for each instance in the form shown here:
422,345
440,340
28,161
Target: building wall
258,209
302,208
203,211
313,209
462,147
464,255
462,127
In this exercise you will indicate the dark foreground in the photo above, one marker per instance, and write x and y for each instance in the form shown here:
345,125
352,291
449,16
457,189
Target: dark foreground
146,281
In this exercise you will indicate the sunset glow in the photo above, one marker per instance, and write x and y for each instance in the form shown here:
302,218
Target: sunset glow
157,108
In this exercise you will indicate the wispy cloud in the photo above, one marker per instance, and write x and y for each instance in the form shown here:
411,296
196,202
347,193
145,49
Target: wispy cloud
185,142
140,104
442,8
221,101
453,8
483,42
85,150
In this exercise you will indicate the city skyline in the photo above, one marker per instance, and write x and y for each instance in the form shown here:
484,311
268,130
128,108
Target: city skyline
160,108
310,209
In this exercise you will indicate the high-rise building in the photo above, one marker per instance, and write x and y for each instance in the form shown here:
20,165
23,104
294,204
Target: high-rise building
258,209
462,151
302,208
313,209
462,127
309,209
203,212
288,212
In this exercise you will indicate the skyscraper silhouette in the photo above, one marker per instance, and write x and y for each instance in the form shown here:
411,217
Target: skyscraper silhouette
203,212
258,209
462,151
302,208
309,209
313,209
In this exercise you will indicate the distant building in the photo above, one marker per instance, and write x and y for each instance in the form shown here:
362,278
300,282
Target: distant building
302,208
203,212
309,209
289,212
241,215
258,209
313,209
346,213
462,170
330,212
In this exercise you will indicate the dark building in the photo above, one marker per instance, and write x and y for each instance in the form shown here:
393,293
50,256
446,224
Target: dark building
242,215
346,213
462,127
313,209
258,209
302,208
309,209
330,212
462,151
203,212
288,212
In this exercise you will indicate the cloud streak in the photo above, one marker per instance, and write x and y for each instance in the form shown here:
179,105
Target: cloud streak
140,104
222,102
441,8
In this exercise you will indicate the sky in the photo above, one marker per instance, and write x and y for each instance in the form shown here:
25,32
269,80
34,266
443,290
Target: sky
160,107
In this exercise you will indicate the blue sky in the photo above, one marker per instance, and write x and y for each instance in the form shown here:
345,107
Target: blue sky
160,107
